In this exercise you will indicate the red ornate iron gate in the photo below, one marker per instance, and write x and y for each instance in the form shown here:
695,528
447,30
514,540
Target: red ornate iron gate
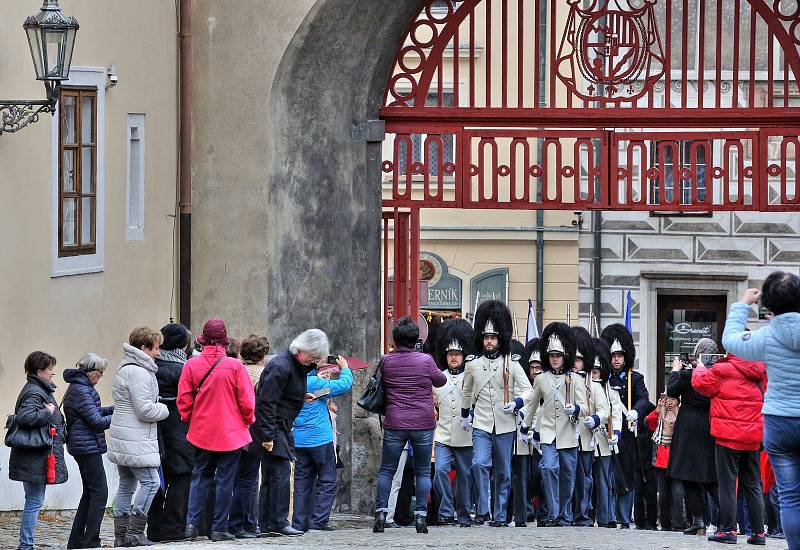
668,105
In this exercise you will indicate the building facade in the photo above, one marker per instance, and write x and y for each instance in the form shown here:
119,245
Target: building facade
90,200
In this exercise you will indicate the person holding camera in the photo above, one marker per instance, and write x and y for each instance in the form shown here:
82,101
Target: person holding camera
778,346
216,398
315,467
691,457
281,396
36,408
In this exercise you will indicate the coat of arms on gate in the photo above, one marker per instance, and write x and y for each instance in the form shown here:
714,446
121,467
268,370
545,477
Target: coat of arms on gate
611,50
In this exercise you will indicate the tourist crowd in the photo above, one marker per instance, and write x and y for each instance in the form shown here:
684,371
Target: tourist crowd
479,430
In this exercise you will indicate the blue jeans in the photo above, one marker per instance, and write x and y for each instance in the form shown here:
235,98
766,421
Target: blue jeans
244,509
34,499
492,452
603,476
583,487
445,457
558,478
129,499
221,468
314,486
782,442
394,441
623,505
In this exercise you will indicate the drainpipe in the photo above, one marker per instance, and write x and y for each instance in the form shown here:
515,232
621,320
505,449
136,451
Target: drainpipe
540,212
185,162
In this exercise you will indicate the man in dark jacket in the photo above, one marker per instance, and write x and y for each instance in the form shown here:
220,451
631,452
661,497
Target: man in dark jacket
166,519
281,395
634,397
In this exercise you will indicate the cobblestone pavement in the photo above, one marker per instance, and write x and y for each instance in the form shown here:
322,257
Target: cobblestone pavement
354,532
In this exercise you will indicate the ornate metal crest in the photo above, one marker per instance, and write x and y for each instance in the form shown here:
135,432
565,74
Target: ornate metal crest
611,50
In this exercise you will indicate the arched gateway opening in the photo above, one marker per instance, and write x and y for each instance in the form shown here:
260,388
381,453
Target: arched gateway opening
674,106
506,104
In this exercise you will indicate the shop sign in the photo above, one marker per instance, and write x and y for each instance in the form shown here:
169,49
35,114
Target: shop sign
683,337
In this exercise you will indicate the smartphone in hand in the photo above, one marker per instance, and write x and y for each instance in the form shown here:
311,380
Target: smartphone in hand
321,392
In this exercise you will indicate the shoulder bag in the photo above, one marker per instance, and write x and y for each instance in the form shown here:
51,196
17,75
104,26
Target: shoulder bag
374,398
26,438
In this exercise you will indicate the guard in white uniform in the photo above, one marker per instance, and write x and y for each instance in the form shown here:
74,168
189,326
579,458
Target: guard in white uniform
455,340
608,438
495,389
560,406
597,412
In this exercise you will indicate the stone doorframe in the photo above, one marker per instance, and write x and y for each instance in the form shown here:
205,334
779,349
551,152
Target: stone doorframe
689,280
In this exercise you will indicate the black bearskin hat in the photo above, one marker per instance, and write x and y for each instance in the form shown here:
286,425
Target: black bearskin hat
617,335
602,355
563,333
585,346
531,348
497,313
458,330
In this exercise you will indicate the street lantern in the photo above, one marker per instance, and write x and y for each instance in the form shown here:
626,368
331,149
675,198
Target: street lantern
51,39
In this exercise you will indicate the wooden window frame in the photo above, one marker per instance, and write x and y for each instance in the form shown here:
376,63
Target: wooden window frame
78,249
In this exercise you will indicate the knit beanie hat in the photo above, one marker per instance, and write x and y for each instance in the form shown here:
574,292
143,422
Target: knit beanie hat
176,336
214,333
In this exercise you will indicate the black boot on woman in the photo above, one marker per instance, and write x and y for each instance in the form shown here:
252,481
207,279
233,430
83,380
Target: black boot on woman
380,522
697,528
421,523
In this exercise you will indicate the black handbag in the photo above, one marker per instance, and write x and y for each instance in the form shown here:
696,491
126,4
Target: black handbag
374,398
26,438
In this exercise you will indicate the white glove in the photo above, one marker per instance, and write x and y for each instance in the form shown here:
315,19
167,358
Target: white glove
613,442
509,407
569,409
589,423
524,438
537,445
633,415
466,423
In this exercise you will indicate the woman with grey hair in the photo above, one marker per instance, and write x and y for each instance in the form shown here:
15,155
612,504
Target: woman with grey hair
692,456
86,422
281,396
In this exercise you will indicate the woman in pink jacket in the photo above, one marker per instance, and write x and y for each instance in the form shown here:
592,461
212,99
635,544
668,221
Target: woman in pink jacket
216,398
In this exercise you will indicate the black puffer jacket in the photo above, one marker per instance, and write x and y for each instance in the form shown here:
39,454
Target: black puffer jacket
176,453
86,418
31,464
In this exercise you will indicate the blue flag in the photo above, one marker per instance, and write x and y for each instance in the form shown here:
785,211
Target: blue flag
628,311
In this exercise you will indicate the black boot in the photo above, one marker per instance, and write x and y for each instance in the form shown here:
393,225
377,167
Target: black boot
380,522
697,528
120,529
421,523
135,535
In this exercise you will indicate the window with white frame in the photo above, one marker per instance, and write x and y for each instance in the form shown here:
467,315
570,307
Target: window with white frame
78,174
134,219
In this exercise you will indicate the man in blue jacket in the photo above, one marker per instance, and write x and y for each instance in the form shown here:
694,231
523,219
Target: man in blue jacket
315,466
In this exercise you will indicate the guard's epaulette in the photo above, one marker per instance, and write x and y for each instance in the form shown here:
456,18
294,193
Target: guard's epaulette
516,357
470,358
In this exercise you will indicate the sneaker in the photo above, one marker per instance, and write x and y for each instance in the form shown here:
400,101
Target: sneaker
724,537
777,534
759,539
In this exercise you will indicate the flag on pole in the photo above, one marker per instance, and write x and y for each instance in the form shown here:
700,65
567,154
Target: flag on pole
628,311
532,330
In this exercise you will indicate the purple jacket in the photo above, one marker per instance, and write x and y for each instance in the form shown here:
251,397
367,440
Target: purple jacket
408,380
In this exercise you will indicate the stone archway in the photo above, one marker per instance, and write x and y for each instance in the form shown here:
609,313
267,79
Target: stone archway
323,195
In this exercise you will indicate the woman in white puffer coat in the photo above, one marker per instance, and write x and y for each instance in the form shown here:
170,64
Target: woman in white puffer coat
133,436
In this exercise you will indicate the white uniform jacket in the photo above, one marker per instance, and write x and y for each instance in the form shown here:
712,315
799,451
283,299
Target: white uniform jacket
615,404
549,396
448,428
596,405
483,388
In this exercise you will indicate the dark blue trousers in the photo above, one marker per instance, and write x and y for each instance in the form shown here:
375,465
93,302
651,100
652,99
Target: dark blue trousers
244,511
212,466
314,486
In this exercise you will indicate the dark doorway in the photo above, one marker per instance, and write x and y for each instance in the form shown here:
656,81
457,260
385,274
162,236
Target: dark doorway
682,321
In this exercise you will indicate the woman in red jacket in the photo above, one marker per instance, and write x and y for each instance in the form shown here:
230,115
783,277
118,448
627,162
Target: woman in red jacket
736,388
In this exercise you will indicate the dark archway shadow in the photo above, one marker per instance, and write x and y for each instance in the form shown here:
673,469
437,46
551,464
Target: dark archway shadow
324,198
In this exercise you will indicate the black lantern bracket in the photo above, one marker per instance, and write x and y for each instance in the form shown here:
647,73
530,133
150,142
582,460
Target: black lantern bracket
51,39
